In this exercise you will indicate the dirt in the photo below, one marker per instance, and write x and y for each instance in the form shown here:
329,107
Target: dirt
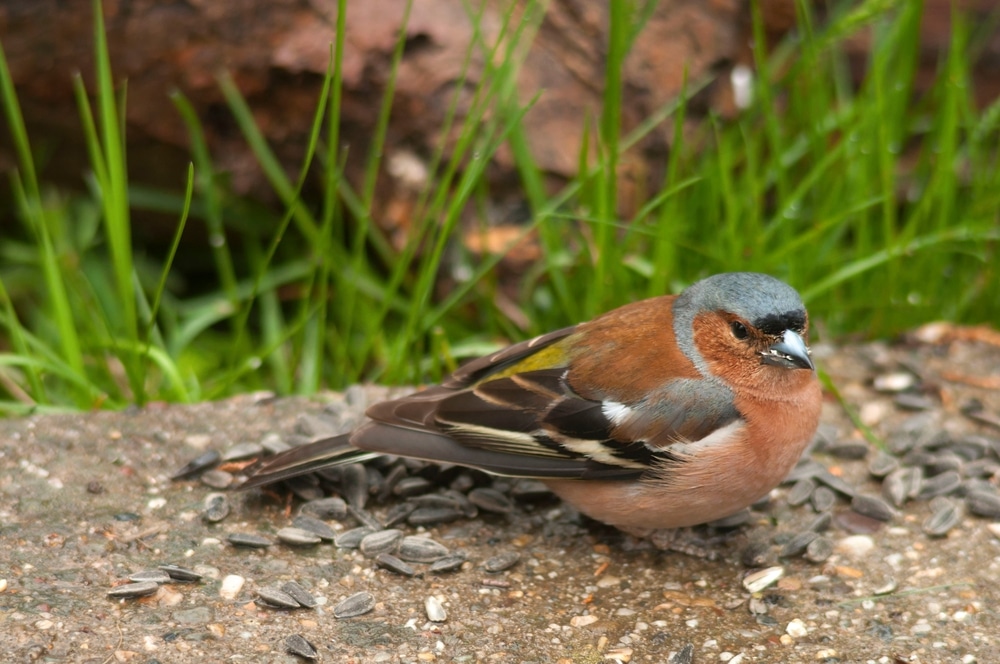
86,500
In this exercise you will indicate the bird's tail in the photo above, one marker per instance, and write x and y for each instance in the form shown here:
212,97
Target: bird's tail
333,451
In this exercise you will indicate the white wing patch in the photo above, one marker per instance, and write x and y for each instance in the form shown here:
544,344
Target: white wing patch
616,412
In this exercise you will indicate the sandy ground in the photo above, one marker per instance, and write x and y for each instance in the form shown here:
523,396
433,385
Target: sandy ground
86,500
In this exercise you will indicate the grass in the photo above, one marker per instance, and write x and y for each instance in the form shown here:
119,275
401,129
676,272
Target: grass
880,204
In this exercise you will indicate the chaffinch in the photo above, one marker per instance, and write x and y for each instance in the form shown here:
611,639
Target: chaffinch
664,413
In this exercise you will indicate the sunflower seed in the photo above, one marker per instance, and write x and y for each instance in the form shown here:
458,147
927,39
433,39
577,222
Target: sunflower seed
853,522
911,401
501,562
276,598
984,504
975,485
130,590
732,521
428,516
316,426
981,468
350,539
941,463
217,479
249,540
315,526
823,499
299,594
882,464
432,500
178,573
873,507
216,507
755,582
463,503
411,486
803,469
305,487
394,564
298,536
385,541
944,519
272,443
421,550
800,492
491,500
758,554
243,451
530,491
333,507
940,485
848,450
818,550
435,610
683,656
355,605
297,645
154,575
200,463
448,563
397,514
797,544
354,481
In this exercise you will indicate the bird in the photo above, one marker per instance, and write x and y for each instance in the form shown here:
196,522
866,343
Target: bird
662,414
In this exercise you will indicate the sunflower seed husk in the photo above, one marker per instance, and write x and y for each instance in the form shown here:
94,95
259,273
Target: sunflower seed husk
354,481
384,541
333,507
755,582
216,507
882,464
200,463
241,451
217,479
823,499
835,483
873,507
249,540
397,514
297,645
421,550
501,562
394,564
350,539
984,504
178,573
299,594
797,544
683,656
944,519
298,536
818,550
940,485
491,500
429,516
154,575
276,598
897,381
821,522
435,610
355,605
319,528
396,474
364,518
131,590
800,492
448,563
411,486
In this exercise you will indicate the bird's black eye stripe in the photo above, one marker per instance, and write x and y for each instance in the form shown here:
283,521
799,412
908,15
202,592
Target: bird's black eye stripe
739,330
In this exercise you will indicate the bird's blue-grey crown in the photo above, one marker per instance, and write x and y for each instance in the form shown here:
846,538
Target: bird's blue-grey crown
768,304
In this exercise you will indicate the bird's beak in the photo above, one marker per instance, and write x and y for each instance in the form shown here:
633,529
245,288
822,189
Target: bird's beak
791,352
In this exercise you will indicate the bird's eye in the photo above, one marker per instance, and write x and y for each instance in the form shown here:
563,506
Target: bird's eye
739,330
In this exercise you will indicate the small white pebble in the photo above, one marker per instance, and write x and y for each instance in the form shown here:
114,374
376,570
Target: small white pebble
796,629
231,586
608,581
922,628
435,610
855,547
994,528
824,654
582,621
156,503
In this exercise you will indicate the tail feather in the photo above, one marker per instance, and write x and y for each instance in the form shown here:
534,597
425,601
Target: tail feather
305,459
